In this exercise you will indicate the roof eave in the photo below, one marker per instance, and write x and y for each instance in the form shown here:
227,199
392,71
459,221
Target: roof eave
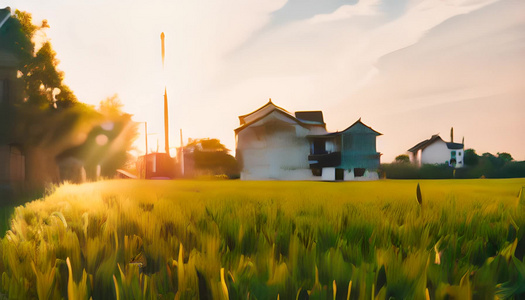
239,129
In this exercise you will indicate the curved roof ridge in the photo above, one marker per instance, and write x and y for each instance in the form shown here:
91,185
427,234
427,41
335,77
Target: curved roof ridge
241,118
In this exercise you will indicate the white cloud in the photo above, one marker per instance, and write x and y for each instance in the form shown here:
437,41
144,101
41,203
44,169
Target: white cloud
361,8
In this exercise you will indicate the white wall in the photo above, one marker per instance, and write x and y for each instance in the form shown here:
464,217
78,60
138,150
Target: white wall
275,148
328,174
436,153
318,130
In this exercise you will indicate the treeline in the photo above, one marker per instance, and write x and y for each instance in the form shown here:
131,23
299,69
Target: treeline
486,165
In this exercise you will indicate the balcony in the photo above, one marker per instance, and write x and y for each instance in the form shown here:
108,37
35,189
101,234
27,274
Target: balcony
325,160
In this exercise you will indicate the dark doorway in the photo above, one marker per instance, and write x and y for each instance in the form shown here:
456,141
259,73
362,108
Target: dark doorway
359,172
317,172
453,162
339,174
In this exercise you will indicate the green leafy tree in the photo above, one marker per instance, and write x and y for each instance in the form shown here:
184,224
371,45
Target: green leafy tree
48,121
212,157
42,81
402,159
504,156
470,157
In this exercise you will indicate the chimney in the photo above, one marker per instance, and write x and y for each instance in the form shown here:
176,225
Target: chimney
452,134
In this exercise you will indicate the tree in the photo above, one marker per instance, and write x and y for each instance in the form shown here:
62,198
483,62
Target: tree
402,159
470,157
48,121
504,156
42,81
212,157
111,134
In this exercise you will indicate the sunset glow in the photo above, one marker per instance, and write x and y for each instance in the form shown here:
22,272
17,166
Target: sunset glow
409,68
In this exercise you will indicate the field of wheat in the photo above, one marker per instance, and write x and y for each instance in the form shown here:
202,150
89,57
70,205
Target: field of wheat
131,239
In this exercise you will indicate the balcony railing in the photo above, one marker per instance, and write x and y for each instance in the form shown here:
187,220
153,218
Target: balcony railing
325,160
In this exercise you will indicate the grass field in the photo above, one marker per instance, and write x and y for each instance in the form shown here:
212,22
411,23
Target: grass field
269,240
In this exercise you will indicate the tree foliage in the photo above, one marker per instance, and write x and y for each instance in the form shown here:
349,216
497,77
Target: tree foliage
212,157
42,81
470,157
402,159
504,156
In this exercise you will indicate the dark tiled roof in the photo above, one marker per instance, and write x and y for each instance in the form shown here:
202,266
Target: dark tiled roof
311,116
425,143
422,145
339,132
360,122
454,146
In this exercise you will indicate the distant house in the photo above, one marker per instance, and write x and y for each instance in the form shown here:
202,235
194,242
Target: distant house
436,151
271,143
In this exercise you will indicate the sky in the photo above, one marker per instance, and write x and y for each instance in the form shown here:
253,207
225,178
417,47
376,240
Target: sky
407,68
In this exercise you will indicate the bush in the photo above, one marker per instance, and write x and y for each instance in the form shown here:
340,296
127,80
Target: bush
410,171
487,167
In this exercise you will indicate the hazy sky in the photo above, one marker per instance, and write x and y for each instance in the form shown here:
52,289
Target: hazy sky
408,68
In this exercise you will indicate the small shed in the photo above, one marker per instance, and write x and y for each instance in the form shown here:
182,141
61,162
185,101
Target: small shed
156,166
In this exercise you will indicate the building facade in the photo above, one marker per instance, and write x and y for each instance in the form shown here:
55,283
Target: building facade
436,151
273,144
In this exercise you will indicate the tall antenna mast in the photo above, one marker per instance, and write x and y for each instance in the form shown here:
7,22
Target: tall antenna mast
166,134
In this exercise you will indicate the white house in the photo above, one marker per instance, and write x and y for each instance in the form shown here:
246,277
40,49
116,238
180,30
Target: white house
271,143
437,151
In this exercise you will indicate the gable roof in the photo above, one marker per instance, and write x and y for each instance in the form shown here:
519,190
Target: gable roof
245,125
5,14
270,103
422,145
360,122
348,128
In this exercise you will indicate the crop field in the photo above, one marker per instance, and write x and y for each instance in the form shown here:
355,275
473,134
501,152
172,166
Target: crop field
132,239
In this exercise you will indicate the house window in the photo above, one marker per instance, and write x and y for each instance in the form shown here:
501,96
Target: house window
359,172
459,153
319,147
453,153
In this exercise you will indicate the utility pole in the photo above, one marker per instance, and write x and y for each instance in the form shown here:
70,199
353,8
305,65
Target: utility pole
146,156
166,133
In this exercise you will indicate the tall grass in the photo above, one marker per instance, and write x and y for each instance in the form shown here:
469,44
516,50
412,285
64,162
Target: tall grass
268,240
